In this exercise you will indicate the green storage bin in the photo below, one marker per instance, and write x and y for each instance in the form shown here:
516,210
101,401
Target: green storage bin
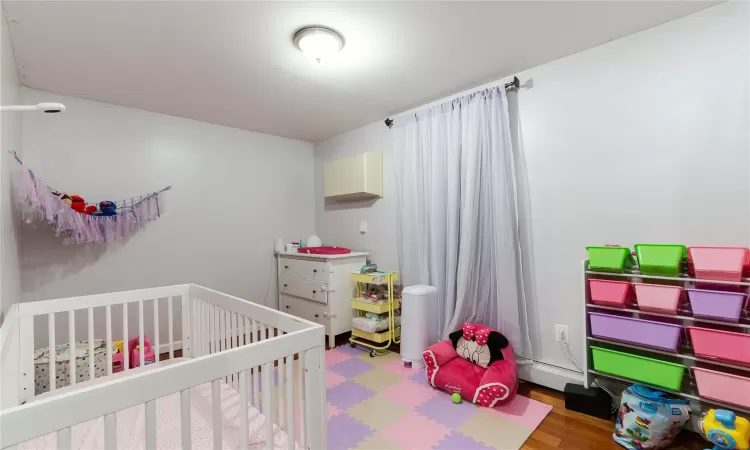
651,371
660,259
610,259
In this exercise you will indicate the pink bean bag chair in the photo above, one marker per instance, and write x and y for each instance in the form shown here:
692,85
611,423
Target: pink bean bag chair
477,362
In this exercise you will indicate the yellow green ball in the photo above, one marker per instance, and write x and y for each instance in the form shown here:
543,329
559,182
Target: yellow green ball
456,397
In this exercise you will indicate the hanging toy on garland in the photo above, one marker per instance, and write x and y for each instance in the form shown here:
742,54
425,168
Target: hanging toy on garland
65,198
107,208
79,204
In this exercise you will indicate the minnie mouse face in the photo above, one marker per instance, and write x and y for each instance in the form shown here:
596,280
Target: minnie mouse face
478,344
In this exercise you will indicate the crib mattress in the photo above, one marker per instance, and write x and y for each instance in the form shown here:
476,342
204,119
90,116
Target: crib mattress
131,433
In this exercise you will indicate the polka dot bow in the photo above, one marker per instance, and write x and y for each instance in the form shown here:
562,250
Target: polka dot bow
477,332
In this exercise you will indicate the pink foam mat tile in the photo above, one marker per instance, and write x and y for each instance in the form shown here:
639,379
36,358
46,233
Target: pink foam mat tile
524,410
397,366
333,379
409,394
335,356
415,432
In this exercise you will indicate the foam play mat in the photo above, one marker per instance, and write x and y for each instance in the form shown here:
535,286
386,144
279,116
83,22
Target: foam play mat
378,404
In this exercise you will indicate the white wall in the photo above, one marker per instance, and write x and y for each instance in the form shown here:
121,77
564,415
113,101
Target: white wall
338,223
10,139
642,139
234,192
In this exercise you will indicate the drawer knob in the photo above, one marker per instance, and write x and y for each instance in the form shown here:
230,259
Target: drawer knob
315,270
316,316
286,267
285,285
314,291
287,306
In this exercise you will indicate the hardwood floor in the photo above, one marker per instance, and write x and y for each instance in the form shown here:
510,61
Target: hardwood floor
569,430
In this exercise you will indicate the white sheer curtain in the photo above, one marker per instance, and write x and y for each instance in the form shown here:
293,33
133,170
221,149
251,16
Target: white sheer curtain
457,211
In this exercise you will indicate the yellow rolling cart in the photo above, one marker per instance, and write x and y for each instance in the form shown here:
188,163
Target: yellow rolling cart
377,342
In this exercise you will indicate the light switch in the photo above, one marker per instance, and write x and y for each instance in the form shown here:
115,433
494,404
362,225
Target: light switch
363,227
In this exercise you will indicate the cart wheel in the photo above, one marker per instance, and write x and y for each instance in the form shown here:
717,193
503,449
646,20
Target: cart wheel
372,353
353,345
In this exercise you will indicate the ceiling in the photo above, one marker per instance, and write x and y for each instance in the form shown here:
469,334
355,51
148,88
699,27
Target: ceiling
233,63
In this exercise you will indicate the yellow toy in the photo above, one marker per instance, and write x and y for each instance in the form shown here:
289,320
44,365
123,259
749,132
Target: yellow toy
118,345
725,430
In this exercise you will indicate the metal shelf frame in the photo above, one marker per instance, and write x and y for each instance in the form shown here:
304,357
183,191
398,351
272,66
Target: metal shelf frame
684,355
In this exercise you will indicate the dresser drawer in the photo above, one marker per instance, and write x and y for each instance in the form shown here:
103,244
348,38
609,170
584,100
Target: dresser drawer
305,309
298,287
311,270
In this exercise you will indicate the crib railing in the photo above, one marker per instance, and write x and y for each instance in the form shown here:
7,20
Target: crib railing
225,338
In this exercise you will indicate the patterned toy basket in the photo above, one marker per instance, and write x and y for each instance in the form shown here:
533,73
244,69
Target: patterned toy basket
62,371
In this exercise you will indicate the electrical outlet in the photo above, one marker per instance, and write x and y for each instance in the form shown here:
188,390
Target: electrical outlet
561,333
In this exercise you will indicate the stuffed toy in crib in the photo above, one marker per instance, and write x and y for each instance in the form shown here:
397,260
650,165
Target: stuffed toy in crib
477,362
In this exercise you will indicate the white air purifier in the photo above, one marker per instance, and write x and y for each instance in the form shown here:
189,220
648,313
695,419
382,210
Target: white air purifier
419,327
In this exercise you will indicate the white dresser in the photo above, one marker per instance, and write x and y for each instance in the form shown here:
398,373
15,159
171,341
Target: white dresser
318,288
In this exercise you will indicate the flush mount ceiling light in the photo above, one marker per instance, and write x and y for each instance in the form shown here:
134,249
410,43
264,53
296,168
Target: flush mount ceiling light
318,43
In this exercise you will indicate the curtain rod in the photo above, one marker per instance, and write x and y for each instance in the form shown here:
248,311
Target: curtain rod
515,84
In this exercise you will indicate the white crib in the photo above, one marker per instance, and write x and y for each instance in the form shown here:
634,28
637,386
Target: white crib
221,390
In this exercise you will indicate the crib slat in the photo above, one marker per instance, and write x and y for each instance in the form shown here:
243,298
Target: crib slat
256,384
222,327
125,349
204,327
281,374
141,352
268,409
187,442
25,362
72,348
92,373
217,320
108,324
110,431
187,332
315,397
151,424
302,438
290,401
52,371
63,439
243,411
155,340
170,327
199,325
194,326
216,412
211,331
232,325
247,329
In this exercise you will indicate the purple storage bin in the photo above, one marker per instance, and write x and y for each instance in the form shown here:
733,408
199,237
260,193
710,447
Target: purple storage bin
719,305
664,336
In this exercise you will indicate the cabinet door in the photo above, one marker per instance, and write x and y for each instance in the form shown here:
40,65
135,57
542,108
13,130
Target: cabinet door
298,287
300,268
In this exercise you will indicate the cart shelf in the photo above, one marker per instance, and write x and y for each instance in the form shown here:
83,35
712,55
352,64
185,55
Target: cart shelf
378,338
374,308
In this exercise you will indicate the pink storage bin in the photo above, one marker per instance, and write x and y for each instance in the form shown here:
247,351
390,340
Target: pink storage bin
657,297
611,293
718,263
724,387
724,345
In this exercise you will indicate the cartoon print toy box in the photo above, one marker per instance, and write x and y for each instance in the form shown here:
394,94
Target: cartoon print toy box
649,419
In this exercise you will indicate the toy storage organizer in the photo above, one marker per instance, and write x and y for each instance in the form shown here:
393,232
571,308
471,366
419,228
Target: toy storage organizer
659,330
375,340
232,350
